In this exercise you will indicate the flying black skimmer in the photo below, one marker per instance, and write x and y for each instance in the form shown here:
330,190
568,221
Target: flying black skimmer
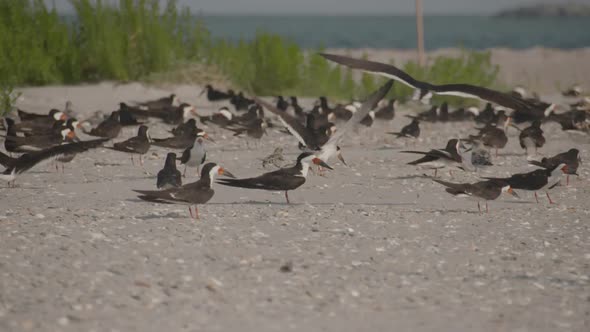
571,158
194,156
452,155
410,130
574,91
223,117
109,128
16,166
275,158
387,112
139,144
460,90
539,179
169,176
284,179
191,194
491,136
163,102
480,191
532,137
214,95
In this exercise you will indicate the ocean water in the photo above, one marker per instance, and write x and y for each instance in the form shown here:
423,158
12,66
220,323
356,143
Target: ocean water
473,32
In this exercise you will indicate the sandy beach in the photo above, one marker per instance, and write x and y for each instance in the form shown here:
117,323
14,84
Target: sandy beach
373,246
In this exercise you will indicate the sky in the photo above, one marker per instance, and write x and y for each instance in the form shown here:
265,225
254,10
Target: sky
346,6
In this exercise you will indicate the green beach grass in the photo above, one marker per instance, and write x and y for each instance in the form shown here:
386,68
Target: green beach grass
141,40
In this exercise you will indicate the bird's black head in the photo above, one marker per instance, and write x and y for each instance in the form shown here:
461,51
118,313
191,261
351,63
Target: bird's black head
191,122
294,100
451,144
171,159
208,87
303,156
9,122
142,131
206,170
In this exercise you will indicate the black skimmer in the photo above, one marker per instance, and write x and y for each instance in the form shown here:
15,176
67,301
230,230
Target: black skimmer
54,115
275,158
214,95
191,194
194,156
71,123
223,117
480,191
435,114
180,142
16,166
539,179
189,127
571,158
519,92
440,158
387,112
284,179
282,104
15,143
109,128
491,136
410,130
297,109
169,176
240,102
160,103
127,116
532,137
460,90
139,144
464,114
540,111
574,91
254,129
581,105
571,121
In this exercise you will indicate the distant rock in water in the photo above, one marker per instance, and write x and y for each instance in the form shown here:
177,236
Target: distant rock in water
547,10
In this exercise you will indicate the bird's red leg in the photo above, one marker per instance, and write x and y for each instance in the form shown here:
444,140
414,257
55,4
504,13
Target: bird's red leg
56,167
190,211
140,160
435,172
479,207
287,197
62,169
550,201
487,210
451,173
132,161
536,197
197,213
184,173
567,180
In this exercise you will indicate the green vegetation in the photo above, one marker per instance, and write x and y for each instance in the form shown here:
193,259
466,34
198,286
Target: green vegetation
142,40
8,97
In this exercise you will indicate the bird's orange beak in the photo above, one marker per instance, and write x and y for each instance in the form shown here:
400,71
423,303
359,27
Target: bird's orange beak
222,171
63,117
320,162
71,135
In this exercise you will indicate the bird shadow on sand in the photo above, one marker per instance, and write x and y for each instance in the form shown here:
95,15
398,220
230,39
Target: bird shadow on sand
170,215
405,177
251,202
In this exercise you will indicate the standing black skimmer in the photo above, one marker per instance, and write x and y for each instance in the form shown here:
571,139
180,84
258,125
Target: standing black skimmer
410,130
491,136
570,158
54,115
161,102
440,158
169,176
214,95
194,156
139,144
186,140
282,104
240,102
532,137
387,112
16,166
109,128
15,143
190,194
460,90
574,91
480,191
223,117
284,179
540,179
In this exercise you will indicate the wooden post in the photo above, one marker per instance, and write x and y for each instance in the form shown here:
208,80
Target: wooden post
420,33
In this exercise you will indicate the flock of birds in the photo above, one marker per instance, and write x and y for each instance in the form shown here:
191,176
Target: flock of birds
52,137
